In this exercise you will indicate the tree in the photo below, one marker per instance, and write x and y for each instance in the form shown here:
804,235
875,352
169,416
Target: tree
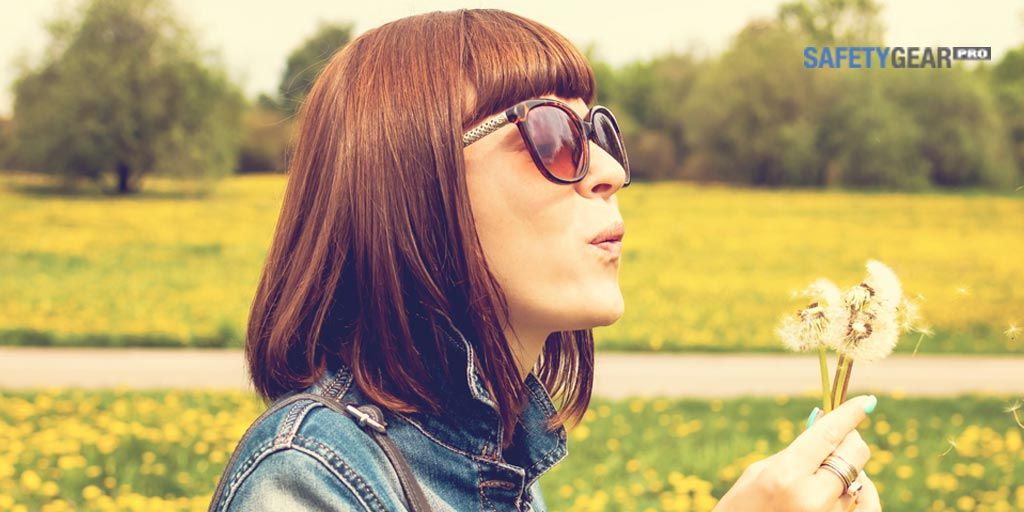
1007,78
831,22
124,90
6,143
753,113
306,62
647,98
963,139
866,139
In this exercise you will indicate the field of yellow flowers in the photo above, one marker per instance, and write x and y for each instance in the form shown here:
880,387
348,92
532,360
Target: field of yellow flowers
704,268
64,449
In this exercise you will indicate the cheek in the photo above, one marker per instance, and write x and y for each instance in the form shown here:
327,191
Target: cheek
525,224
532,232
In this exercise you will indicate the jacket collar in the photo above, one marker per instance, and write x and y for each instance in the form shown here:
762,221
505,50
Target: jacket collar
471,425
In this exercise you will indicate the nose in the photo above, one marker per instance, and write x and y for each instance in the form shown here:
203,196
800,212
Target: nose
605,175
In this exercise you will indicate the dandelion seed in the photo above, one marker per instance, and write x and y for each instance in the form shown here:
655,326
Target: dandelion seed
925,331
952,446
1013,408
908,314
1014,411
1012,332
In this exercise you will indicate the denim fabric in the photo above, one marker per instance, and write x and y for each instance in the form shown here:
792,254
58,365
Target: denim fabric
308,457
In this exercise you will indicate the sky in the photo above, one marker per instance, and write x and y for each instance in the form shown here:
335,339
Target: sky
254,37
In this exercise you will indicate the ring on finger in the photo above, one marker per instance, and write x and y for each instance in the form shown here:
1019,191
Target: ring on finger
846,472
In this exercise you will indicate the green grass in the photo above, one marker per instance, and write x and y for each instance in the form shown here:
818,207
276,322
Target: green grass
704,268
126,450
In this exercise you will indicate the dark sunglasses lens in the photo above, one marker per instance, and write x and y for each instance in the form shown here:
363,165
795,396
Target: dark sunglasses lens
609,139
556,138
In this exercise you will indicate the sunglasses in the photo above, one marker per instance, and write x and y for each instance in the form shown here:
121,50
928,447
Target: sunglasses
557,138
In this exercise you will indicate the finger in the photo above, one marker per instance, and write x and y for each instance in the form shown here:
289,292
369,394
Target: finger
847,503
810,448
815,414
854,450
869,499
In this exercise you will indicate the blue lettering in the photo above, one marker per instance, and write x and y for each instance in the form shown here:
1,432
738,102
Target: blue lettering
854,53
826,57
883,54
810,60
841,53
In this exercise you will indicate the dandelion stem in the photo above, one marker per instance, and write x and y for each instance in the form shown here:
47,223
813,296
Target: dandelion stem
842,380
846,380
840,364
826,390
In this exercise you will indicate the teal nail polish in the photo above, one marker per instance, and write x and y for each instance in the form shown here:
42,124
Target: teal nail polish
870,406
812,417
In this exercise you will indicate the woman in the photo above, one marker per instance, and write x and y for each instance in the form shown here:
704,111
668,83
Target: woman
448,238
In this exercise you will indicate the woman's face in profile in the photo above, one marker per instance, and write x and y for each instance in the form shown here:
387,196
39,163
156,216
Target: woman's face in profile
536,234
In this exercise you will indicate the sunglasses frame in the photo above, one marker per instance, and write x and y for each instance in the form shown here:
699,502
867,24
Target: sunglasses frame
517,114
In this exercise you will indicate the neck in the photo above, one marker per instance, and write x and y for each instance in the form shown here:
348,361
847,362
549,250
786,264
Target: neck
526,345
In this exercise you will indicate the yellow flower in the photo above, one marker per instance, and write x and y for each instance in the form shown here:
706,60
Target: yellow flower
91,492
30,480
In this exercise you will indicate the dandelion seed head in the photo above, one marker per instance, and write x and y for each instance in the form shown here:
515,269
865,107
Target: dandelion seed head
883,281
873,318
860,328
806,330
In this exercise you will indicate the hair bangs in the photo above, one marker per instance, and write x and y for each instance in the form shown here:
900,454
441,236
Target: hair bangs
508,59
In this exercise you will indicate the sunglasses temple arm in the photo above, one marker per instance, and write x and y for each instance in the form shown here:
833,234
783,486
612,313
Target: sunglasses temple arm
486,128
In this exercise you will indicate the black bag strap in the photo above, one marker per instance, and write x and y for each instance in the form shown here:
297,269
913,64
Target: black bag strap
371,419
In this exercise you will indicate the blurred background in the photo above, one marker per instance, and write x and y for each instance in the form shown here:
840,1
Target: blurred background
143,145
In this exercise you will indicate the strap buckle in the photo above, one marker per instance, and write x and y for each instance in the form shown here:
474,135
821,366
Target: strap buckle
365,419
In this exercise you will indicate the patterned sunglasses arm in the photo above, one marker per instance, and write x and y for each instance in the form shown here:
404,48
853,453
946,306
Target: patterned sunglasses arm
485,128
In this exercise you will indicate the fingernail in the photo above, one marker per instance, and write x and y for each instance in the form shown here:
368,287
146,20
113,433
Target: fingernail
812,417
870,406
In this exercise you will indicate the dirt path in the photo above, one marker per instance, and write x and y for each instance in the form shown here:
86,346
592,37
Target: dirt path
617,374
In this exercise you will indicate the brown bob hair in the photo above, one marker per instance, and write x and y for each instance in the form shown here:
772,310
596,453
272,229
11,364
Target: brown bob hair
376,224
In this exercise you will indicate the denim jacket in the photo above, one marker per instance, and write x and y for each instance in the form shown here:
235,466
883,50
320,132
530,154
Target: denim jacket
309,457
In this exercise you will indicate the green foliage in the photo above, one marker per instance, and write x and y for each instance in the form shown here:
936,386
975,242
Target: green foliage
831,22
755,115
963,138
752,112
1007,82
266,136
874,146
6,142
123,91
306,62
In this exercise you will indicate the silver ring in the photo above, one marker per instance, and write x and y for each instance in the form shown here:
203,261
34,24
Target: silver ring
847,473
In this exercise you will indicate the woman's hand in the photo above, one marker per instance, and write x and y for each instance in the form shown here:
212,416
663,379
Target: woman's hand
792,481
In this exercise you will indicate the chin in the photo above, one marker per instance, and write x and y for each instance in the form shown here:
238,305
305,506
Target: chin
599,314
